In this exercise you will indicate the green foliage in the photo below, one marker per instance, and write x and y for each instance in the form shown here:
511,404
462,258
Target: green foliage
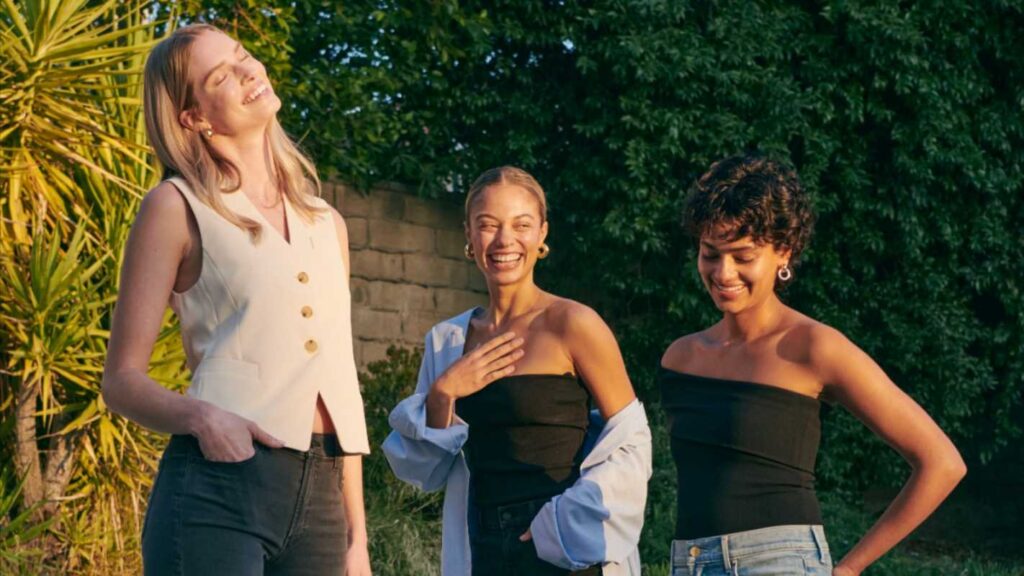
18,526
845,524
403,523
904,121
73,165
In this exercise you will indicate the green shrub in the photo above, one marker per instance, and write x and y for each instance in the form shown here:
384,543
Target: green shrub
403,522
904,121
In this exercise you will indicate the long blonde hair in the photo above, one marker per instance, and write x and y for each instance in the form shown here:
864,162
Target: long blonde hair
182,152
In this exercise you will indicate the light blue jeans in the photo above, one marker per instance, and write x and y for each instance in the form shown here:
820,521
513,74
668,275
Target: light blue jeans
775,551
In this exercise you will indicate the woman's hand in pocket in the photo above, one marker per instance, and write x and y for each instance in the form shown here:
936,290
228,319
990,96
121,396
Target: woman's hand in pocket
227,437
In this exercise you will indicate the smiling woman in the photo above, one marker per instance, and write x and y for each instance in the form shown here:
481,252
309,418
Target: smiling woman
263,473
199,127
500,413
743,396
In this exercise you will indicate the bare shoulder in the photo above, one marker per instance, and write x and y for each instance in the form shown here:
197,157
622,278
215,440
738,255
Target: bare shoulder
680,352
824,350
579,325
823,342
163,201
593,350
340,228
163,216
339,220
571,317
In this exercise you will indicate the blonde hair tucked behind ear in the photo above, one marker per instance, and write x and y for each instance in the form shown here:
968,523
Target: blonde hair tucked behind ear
508,175
183,152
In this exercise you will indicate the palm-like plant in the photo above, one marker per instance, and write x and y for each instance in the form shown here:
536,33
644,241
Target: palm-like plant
73,166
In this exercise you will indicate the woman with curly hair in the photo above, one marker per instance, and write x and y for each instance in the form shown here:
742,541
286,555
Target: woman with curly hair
743,396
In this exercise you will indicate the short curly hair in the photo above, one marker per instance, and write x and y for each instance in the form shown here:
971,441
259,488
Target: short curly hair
752,195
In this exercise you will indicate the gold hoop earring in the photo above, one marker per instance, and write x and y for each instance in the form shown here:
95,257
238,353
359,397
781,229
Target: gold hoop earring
468,251
543,251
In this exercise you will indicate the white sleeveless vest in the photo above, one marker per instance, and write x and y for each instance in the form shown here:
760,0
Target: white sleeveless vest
268,326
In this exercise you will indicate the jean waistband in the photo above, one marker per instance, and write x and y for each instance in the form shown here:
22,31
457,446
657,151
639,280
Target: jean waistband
509,516
320,445
326,445
726,548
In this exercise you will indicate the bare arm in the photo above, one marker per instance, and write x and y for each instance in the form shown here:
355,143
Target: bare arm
342,231
156,247
860,385
357,560
597,358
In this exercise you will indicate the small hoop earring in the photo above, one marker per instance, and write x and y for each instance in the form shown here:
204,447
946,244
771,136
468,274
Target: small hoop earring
208,132
468,251
543,251
785,273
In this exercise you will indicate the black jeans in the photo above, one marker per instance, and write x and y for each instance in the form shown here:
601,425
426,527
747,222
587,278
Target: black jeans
496,549
278,513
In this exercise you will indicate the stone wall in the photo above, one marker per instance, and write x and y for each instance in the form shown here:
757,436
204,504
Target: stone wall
408,269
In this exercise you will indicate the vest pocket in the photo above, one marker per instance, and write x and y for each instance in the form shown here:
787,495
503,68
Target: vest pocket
227,383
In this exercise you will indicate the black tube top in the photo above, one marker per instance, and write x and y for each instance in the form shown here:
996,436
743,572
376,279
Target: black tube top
744,454
526,433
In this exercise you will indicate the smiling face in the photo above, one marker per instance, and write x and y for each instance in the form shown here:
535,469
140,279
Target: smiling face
738,273
232,93
505,228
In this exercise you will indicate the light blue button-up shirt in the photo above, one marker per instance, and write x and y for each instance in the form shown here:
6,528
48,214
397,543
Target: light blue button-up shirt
597,520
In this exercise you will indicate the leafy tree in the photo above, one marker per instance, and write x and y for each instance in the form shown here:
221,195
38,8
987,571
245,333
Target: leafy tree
73,165
904,122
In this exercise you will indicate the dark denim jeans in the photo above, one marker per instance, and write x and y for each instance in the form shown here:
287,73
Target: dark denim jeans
497,551
278,513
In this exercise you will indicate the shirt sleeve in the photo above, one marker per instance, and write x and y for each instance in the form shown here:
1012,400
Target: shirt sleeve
418,454
599,518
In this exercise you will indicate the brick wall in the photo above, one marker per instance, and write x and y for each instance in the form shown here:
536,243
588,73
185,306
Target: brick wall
408,270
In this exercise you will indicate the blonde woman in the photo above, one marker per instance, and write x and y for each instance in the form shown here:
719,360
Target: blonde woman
263,473
501,418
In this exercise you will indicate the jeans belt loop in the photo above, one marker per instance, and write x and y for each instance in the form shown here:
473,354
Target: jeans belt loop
726,560
819,540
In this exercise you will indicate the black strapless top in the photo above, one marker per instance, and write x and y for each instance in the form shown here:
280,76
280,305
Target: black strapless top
526,433
744,454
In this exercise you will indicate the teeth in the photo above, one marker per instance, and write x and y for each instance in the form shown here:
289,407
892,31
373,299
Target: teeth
255,94
736,288
505,257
